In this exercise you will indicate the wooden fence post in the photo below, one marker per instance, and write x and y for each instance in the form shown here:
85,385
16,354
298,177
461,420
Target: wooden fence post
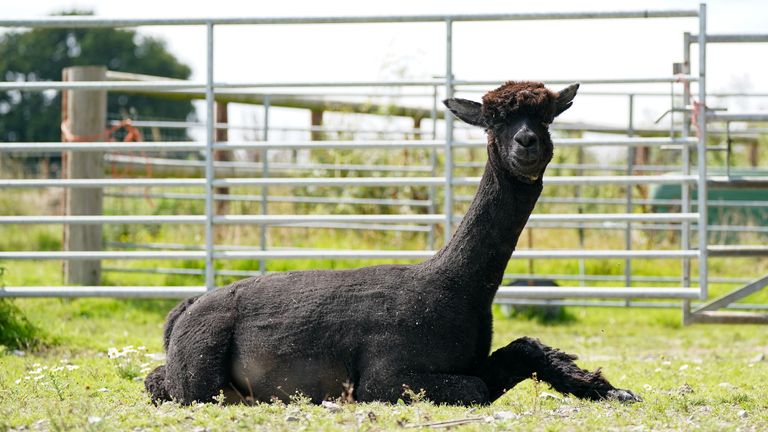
86,118
317,121
222,206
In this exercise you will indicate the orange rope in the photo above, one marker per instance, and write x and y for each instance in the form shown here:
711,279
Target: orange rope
132,134
698,107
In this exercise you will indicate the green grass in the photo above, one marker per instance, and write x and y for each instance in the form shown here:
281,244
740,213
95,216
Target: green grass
698,377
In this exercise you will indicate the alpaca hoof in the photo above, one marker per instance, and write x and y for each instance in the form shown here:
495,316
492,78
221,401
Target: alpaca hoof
623,396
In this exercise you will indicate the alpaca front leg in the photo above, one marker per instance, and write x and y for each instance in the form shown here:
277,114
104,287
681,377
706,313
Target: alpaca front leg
438,388
519,360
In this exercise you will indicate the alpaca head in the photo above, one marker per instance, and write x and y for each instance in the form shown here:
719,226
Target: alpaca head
516,117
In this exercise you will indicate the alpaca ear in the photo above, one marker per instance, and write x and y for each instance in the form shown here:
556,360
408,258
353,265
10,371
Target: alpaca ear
565,98
468,111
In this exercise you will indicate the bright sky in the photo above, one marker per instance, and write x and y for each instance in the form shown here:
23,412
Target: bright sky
495,51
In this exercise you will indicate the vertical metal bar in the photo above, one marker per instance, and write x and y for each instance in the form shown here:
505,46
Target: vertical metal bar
685,195
210,271
728,149
629,206
702,152
264,189
577,192
433,169
448,130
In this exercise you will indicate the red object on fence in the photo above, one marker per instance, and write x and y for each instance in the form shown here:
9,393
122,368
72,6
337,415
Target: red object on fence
132,135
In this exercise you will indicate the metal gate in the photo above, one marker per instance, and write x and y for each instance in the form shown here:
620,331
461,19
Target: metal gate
692,173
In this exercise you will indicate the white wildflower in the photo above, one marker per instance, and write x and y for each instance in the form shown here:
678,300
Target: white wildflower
683,367
72,367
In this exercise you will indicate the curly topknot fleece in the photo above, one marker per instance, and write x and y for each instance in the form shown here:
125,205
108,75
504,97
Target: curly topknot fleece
519,97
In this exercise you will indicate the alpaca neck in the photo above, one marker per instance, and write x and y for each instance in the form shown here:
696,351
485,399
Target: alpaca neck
475,258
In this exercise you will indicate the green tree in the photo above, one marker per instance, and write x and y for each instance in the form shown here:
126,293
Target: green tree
41,54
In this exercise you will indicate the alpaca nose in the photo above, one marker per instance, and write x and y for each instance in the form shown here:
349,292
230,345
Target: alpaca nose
526,137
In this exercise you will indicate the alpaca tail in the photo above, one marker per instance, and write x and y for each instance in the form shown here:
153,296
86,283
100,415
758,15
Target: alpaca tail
174,315
155,385
155,381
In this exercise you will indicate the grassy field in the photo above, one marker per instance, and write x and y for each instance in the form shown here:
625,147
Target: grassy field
86,376
85,369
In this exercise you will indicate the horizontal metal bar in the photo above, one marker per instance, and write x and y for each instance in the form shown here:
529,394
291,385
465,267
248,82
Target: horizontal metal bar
507,276
586,167
291,219
232,168
615,217
331,181
660,202
188,291
593,180
101,255
36,147
644,227
168,85
175,85
98,220
738,117
329,144
614,303
627,142
742,182
277,198
39,147
336,254
167,124
301,219
645,80
98,183
601,142
737,250
423,203
416,254
731,38
103,291
334,181
607,278
87,22
356,226
364,221
596,292
324,254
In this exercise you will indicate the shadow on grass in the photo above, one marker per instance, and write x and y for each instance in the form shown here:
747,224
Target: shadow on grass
544,315
16,331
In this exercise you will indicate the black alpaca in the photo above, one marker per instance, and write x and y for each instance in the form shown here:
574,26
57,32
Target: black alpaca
377,329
